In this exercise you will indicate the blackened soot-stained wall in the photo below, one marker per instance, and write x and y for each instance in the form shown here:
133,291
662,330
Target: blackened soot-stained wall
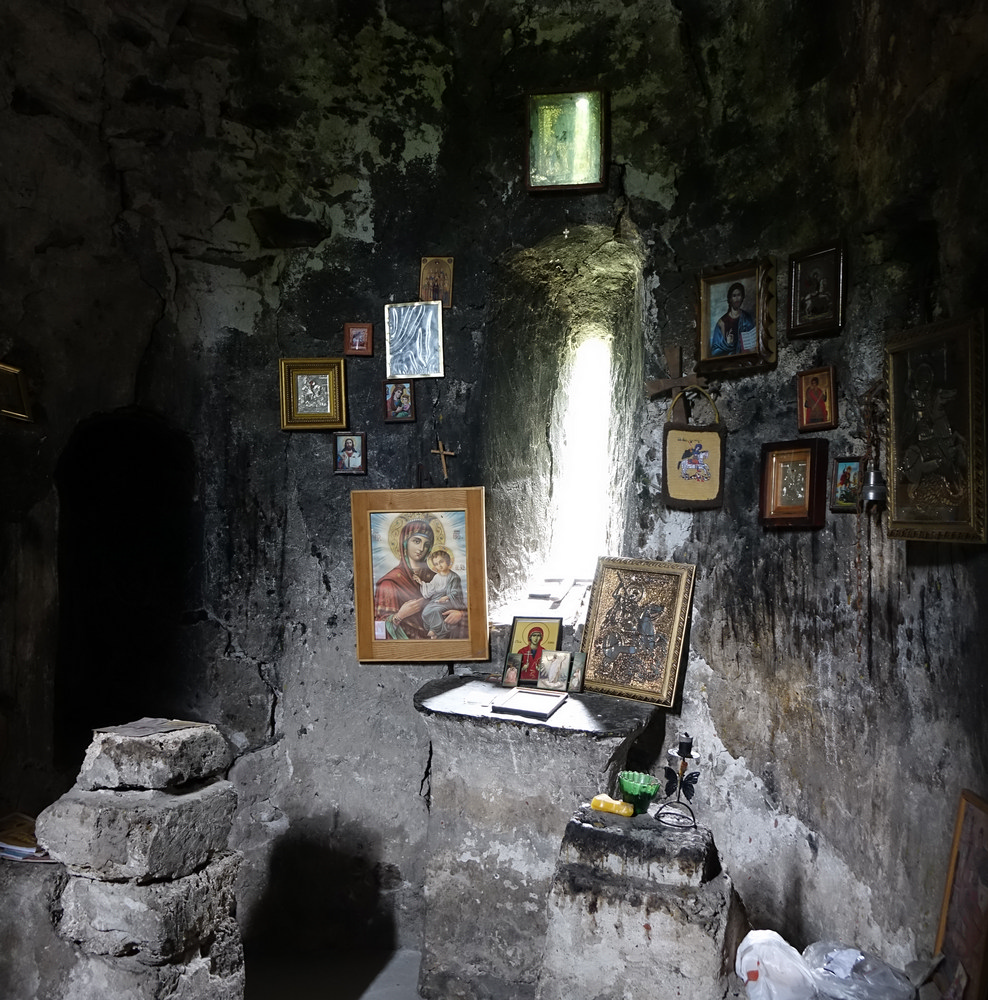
195,190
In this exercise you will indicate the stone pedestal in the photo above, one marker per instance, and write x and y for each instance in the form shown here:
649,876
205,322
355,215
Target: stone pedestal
149,900
503,789
639,909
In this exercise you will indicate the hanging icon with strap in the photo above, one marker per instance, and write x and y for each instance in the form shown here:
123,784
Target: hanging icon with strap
693,460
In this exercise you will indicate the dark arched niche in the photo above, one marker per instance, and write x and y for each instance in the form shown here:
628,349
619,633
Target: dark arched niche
583,281
126,485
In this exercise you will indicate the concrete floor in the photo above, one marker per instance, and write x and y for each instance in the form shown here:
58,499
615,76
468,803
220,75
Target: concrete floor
361,977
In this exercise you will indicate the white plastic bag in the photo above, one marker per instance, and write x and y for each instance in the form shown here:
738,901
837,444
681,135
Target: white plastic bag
772,969
844,973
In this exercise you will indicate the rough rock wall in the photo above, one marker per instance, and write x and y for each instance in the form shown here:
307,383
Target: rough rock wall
193,190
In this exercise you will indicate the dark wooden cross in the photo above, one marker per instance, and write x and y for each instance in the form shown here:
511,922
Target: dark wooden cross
443,454
677,381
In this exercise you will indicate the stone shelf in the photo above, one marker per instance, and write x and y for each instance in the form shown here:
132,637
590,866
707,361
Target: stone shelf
503,789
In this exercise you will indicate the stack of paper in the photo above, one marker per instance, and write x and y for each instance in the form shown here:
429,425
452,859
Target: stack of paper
17,840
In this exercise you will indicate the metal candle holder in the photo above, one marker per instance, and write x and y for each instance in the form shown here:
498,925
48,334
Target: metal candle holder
679,813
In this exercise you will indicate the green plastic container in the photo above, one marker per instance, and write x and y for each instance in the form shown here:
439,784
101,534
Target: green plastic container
638,789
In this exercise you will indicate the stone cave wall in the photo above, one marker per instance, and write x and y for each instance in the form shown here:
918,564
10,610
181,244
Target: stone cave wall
195,190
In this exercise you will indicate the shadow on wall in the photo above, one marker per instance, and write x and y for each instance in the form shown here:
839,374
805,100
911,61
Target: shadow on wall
127,550
324,896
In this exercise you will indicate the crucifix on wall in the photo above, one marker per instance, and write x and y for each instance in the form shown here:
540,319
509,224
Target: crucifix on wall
443,454
675,383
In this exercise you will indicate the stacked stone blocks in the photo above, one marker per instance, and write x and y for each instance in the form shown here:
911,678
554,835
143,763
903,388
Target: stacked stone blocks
645,907
149,901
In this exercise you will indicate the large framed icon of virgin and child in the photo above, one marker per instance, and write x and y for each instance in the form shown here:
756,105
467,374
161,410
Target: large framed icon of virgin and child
420,575
736,318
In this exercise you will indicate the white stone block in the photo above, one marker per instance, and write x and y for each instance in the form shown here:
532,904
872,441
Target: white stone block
202,979
159,760
149,924
612,938
141,835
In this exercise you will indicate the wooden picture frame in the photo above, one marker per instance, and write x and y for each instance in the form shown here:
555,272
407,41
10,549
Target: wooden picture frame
313,394
436,280
962,935
793,484
350,451
846,480
522,642
566,141
736,318
413,337
817,291
398,536
14,400
816,399
936,457
636,627
358,339
399,401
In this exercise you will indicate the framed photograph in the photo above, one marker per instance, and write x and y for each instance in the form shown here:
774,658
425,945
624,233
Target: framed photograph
399,401
577,665
530,637
936,454
845,484
413,337
14,400
313,394
566,147
816,399
420,575
351,453
358,338
962,936
636,627
436,280
512,668
554,670
736,318
793,484
817,292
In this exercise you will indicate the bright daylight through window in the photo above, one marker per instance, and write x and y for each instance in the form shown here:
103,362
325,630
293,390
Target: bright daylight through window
582,477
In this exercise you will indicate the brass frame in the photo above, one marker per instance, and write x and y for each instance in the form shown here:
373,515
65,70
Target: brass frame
615,639
332,417
456,510
14,399
936,453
